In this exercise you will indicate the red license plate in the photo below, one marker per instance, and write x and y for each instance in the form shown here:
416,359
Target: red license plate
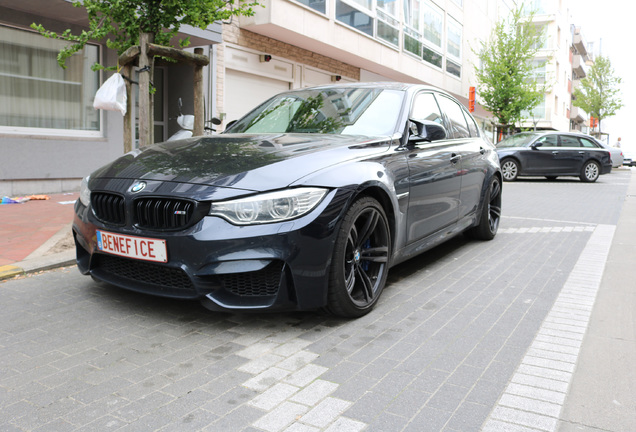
141,248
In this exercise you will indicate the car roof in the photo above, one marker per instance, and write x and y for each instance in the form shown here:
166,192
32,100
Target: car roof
544,133
390,85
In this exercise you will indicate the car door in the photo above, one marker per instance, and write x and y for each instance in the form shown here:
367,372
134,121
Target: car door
434,183
540,157
570,156
595,150
469,146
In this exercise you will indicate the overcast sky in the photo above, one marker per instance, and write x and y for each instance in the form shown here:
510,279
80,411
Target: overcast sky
608,23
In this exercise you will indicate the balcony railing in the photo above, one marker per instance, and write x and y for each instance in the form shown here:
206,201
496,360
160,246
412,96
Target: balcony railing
578,66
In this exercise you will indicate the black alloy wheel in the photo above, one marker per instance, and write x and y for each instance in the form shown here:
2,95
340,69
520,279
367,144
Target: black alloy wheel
360,260
490,214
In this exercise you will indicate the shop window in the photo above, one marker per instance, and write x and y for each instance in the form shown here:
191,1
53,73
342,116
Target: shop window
38,93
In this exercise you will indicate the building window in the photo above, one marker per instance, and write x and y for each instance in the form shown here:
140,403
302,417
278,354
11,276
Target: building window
432,32
317,5
538,113
453,47
454,39
542,42
37,92
377,18
538,71
432,57
539,7
413,26
453,68
433,23
359,20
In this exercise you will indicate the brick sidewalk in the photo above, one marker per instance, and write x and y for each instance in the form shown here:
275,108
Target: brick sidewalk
25,227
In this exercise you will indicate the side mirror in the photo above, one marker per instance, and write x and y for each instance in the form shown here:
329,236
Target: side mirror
536,145
426,130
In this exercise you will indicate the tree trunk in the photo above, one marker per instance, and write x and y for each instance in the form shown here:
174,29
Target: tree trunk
128,120
199,105
145,70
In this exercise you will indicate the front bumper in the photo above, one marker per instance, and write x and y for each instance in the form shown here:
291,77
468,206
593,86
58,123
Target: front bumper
227,267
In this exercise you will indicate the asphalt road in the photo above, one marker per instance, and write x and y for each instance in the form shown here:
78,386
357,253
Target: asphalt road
451,346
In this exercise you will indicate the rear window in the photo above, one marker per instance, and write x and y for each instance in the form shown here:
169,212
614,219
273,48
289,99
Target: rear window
519,140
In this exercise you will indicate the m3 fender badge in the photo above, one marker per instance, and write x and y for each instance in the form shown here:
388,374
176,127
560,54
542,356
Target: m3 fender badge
138,187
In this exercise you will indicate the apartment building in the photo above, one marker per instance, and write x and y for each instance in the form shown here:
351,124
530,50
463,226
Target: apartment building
579,119
553,66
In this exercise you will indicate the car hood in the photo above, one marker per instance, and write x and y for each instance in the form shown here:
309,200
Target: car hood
240,161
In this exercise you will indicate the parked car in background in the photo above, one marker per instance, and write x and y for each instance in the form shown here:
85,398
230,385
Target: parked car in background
304,203
629,158
615,153
553,154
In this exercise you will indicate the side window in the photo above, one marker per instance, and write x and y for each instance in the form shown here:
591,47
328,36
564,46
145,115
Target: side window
456,117
425,108
472,126
588,143
568,141
549,141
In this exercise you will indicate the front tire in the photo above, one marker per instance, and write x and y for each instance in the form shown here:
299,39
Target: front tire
509,169
590,172
490,214
360,261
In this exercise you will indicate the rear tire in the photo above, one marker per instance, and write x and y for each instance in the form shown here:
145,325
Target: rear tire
590,172
360,262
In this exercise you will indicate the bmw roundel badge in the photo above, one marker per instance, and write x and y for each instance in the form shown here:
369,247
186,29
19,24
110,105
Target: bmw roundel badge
138,187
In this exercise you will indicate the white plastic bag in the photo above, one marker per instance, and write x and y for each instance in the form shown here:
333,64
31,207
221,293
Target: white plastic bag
111,95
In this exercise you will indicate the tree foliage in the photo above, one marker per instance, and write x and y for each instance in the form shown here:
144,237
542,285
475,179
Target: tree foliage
120,22
506,83
598,92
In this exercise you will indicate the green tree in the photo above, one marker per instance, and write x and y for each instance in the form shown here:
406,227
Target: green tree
121,22
506,82
598,92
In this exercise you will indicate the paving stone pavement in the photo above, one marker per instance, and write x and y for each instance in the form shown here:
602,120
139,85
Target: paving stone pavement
449,344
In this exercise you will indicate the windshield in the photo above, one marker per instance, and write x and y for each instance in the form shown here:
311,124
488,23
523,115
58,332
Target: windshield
348,111
519,140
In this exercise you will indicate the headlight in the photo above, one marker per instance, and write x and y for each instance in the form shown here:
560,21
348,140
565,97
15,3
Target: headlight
269,207
85,192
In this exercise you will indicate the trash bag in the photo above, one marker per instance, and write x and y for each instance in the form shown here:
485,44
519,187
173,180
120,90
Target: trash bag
111,96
